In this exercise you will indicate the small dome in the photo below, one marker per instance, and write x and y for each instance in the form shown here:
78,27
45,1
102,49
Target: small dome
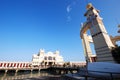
57,52
50,53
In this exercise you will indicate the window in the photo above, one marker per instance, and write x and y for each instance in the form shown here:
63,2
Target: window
45,58
53,58
49,58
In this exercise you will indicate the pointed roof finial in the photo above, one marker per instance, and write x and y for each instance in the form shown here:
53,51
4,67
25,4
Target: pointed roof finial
89,6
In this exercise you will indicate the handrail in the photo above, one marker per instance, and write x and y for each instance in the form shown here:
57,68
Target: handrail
101,71
8,68
110,74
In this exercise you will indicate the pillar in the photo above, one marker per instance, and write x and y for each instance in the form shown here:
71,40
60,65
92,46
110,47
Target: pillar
6,71
16,70
31,70
87,49
3,65
102,42
39,69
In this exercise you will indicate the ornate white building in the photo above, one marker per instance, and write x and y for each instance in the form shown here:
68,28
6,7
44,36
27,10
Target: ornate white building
48,58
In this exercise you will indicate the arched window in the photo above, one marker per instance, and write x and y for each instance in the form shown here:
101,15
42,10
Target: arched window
53,58
45,58
49,58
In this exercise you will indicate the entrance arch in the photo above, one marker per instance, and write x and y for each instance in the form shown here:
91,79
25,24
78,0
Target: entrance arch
99,36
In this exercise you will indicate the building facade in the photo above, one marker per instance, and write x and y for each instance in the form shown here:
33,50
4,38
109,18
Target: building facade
48,59
77,64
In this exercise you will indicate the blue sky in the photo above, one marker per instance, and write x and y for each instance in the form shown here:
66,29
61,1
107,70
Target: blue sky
29,25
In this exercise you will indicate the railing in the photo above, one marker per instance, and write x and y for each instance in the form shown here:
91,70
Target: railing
100,74
23,68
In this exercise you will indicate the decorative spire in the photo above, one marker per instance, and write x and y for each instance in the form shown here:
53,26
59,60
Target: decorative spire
89,6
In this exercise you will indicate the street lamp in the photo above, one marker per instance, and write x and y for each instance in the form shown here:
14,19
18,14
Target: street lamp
119,28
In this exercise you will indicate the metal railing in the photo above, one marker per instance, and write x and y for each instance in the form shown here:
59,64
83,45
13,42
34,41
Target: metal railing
100,74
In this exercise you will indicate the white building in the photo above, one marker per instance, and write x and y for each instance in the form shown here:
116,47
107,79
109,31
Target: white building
77,63
48,58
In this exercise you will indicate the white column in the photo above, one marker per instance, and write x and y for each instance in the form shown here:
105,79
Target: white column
87,48
6,65
19,65
25,65
9,64
3,65
22,65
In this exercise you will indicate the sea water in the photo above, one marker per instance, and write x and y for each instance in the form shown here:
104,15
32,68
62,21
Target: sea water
23,75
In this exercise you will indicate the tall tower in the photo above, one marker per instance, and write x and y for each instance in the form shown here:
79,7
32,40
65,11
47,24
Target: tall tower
101,39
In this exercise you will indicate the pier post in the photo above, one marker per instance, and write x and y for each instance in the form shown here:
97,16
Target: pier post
62,72
16,70
6,71
39,69
15,73
31,70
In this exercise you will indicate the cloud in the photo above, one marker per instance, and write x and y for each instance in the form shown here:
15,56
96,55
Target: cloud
69,19
69,8
71,4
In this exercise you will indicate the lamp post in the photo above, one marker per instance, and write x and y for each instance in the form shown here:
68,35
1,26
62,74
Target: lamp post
86,71
119,28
